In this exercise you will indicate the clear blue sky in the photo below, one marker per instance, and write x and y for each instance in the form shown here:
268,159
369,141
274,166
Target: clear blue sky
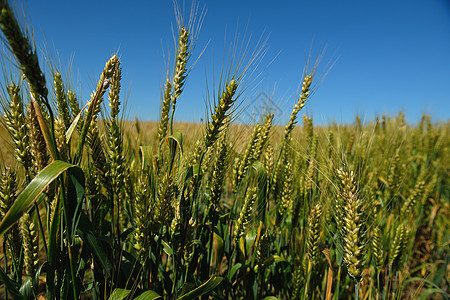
389,55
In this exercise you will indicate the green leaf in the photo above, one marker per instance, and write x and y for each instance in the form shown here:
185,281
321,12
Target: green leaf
206,287
26,290
233,271
148,295
119,294
87,233
434,289
33,190
72,127
219,249
175,141
273,259
10,285
75,192
146,153
167,248
427,293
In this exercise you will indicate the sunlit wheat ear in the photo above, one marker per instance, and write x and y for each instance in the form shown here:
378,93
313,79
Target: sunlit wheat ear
180,67
30,245
115,138
39,152
394,176
142,222
309,128
114,89
311,175
398,245
207,158
8,195
218,173
278,173
331,146
61,99
60,136
243,163
350,223
93,135
103,84
15,122
287,136
428,189
298,106
408,206
98,156
245,214
194,158
8,184
164,209
117,160
263,136
22,48
285,203
73,102
220,113
377,245
164,121
314,234
351,141
268,160
117,164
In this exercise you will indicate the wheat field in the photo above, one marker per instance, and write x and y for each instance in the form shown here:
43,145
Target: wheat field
96,207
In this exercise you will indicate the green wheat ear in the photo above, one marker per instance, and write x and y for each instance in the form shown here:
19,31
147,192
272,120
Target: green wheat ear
24,52
40,156
61,99
285,204
350,227
298,106
314,234
8,195
30,245
242,165
180,67
245,214
15,121
398,245
377,245
163,123
218,173
220,112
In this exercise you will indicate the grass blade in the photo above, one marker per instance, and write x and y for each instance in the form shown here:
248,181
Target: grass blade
33,190
206,287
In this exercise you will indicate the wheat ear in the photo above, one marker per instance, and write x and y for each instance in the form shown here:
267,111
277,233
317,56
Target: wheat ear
22,49
314,234
351,223
220,113
245,214
61,99
16,124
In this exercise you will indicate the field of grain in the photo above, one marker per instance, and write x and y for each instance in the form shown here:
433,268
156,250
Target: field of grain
94,207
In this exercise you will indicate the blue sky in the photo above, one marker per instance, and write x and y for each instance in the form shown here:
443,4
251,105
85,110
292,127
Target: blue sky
388,55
